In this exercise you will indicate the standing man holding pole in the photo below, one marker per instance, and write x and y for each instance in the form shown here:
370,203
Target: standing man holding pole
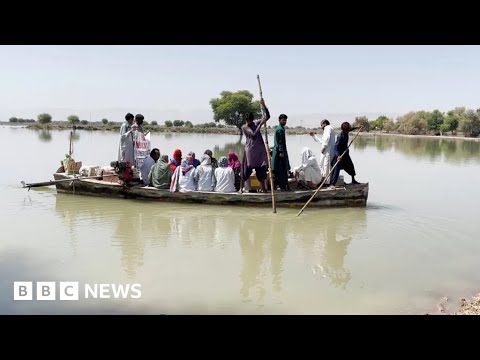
342,154
255,154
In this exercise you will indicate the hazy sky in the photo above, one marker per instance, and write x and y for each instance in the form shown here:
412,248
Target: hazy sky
301,81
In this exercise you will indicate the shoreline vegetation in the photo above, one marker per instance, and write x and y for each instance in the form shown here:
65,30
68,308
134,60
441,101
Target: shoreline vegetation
229,115
213,129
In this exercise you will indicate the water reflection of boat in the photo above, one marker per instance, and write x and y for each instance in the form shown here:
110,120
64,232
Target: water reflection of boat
346,195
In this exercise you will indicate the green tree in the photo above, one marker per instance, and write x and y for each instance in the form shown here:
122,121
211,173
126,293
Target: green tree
168,123
178,122
413,123
451,122
390,126
105,121
188,124
471,123
73,119
231,107
84,122
379,123
154,123
435,120
44,118
362,121
13,119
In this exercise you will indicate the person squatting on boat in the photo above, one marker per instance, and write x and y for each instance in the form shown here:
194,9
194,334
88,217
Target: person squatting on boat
308,173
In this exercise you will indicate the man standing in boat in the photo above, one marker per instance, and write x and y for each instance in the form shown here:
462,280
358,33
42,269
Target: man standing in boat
255,153
126,151
345,162
327,147
280,163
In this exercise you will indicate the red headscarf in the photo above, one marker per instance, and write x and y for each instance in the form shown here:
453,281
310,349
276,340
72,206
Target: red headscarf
177,156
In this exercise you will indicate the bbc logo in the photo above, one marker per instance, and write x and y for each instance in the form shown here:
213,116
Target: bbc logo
45,290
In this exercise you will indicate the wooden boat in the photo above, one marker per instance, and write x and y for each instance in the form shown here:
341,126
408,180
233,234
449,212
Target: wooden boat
345,195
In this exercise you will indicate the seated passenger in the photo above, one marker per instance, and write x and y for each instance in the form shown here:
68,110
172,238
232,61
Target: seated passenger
177,159
148,164
308,174
161,174
214,161
195,161
185,175
224,176
234,163
204,177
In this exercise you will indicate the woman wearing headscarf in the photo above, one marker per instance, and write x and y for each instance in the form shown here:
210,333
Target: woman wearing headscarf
214,161
308,173
177,159
185,175
196,162
235,164
160,175
224,176
203,176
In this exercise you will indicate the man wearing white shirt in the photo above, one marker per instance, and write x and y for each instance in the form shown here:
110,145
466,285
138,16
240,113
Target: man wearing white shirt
148,163
328,148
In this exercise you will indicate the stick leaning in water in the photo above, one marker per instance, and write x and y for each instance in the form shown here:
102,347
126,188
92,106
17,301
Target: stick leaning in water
267,149
331,170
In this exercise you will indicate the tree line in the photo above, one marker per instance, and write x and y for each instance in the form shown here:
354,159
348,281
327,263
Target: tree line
46,118
427,123
231,108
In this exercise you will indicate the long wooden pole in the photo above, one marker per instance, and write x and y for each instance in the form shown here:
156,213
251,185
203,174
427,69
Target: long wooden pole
53,182
267,148
331,170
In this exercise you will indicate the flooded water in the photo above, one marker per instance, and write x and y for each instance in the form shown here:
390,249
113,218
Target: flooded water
414,243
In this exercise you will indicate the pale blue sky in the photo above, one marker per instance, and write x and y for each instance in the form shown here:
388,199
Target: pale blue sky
301,81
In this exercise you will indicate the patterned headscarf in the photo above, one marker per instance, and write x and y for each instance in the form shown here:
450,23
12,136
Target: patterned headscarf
223,162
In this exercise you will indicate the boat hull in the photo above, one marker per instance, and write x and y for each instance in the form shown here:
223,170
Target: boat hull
349,195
